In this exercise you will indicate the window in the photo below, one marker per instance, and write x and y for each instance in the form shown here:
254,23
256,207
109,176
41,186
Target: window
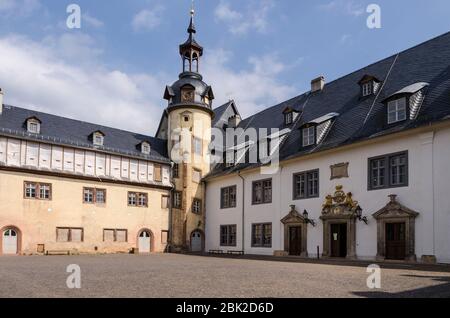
158,173
176,171
39,191
164,202
33,126
306,185
138,199
197,144
197,206
388,171
397,110
367,89
262,235
262,191
177,200
230,158
98,138
115,235
309,136
228,197
196,175
69,234
228,235
92,196
288,118
145,148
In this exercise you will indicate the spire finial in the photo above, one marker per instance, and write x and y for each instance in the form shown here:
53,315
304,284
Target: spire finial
191,28
192,9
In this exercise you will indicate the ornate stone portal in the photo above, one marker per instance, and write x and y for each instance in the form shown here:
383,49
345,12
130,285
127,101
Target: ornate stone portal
395,213
292,222
339,225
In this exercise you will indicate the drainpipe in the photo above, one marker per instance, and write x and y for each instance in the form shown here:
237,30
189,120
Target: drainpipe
172,184
243,211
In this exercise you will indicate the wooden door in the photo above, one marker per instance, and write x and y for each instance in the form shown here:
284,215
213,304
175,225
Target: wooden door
295,240
338,240
395,241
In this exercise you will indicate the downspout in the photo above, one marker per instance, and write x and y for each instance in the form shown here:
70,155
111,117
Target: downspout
170,208
243,211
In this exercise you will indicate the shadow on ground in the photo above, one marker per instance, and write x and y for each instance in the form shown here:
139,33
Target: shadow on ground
436,291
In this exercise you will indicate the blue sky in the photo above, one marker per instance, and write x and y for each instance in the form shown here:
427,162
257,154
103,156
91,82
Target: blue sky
259,52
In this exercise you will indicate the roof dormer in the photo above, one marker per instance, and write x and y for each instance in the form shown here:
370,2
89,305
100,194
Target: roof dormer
370,85
145,147
97,138
405,103
290,115
33,125
315,131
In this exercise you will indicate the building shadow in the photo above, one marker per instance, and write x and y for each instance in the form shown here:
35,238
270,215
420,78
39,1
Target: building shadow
437,291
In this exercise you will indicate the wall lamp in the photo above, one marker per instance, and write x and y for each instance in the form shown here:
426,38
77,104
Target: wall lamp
307,219
358,213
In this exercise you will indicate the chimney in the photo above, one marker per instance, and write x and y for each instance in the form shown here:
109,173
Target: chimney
317,84
234,121
1,101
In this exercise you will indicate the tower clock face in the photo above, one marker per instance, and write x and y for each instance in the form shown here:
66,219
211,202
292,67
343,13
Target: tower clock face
187,96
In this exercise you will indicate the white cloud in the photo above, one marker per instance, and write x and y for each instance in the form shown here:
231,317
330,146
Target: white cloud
35,75
348,7
253,89
254,18
22,8
147,19
92,21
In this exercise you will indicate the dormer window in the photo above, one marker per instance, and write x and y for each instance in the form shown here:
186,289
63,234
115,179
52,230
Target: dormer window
369,85
397,110
367,89
33,125
288,118
145,148
98,138
290,115
187,94
309,136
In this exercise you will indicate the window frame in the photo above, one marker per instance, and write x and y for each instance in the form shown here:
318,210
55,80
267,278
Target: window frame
37,190
167,202
396,112
194,146
254,202
198,201
222,201
94,196
69,234
305,174
137,196
312,128
194,170
174,205
387,171
176,171
261,244
367,88
115,235
229,238
288,118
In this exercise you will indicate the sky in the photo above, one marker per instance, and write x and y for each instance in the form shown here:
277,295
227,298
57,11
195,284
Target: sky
114,69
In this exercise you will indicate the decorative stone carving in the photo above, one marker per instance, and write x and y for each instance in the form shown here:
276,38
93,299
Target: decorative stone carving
339,170
394,212
339,208
295,219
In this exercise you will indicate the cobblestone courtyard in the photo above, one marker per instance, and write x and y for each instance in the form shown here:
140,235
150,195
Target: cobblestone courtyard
185,276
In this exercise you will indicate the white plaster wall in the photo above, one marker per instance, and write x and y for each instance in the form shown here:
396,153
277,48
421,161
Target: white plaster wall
433,205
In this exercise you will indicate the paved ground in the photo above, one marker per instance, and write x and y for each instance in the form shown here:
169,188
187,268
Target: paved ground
169,275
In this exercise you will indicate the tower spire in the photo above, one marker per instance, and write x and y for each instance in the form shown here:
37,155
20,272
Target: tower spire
190,50
191,29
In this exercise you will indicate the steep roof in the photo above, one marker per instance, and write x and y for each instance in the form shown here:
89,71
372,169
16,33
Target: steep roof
362,118
69,132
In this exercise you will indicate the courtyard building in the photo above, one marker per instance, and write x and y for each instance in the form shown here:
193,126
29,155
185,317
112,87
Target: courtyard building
361,174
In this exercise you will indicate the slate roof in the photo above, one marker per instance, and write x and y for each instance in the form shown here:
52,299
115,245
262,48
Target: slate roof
69,132
361,118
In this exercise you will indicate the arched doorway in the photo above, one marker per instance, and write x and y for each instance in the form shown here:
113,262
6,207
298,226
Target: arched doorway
145,241
196,241
10,240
